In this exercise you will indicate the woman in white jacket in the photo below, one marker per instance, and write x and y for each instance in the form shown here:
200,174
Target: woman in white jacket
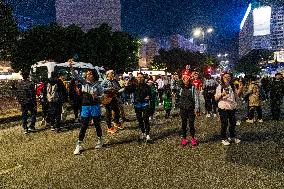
226,96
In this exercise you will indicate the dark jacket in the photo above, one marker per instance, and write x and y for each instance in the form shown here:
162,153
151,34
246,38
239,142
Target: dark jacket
25,92
187,97
62,94
140,91
276,89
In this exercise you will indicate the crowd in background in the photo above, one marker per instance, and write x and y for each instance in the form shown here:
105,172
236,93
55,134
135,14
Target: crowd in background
86,95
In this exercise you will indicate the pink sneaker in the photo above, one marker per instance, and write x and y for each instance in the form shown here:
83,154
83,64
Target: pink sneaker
183,141
194,142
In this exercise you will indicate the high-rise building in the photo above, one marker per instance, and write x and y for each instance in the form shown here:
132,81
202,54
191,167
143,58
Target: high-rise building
151,47
89,13
262,28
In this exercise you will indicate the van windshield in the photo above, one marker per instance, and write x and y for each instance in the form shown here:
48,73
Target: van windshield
67,72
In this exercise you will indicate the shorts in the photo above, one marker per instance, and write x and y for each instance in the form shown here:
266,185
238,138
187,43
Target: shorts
91,111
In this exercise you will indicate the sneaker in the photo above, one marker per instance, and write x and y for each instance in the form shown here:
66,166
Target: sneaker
249,121
208,115
235,140
260,121
52,128
194,142
31,129
238,123
214,115
43,123
150,118
226,142
142,136
112,130
26,131
183,141
100,143
78,149
148,139
118,126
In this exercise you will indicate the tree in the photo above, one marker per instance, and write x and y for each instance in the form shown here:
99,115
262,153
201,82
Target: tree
8,31
176,59
249,64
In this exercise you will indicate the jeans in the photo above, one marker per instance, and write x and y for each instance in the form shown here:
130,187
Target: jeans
25,108
187,119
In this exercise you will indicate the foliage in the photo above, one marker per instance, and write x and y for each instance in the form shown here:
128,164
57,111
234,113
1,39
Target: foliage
176,59
8,31
249,64
100,46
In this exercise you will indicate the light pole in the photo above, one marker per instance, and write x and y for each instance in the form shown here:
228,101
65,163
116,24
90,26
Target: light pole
200,32
224,61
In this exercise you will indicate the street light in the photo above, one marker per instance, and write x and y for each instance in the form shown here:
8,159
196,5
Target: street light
200,32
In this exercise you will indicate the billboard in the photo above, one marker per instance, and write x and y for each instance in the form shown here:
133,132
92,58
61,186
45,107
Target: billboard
261,20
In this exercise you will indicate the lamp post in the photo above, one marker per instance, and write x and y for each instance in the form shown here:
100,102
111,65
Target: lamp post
201,32
224,61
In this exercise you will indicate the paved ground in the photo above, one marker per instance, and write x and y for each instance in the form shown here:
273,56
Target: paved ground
45,159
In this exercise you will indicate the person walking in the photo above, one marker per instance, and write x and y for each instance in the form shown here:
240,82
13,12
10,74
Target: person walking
142,94
91,108
26,96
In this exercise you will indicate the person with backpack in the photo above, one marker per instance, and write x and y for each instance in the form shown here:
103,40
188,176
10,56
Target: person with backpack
226,95
26,96
56,96
188,103
91,106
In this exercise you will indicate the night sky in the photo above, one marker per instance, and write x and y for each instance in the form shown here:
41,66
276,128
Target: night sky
156,18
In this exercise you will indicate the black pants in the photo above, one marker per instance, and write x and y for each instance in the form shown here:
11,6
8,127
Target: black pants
54,113
210,103
275,108
77,107
252,109
160,94
142,116
187,118
26,108
228,116
85,125
112,106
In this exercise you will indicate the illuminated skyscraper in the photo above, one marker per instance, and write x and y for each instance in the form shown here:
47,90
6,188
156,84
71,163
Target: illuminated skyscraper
89,13
262,28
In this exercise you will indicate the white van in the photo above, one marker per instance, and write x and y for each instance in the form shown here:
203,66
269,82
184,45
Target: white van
44,69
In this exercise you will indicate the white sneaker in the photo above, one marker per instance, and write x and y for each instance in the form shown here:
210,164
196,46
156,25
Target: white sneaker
150,118
208,115
142,136
238,123
214,115
235,140
226,142
148,138
100,143
260,121
249,120
78,149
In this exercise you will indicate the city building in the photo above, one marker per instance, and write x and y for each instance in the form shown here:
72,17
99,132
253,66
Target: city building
89,14
150,47
262,28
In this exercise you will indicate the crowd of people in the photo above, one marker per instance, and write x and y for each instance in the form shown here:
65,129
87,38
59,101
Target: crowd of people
184,91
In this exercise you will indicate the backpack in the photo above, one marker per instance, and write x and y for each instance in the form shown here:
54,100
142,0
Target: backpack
24,92
52,93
